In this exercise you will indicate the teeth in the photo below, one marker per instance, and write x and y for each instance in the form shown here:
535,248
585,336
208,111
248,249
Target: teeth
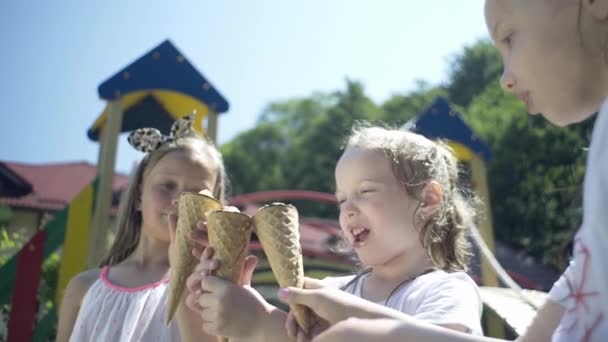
357,230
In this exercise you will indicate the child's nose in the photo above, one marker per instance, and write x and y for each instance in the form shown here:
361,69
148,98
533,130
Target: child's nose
348,208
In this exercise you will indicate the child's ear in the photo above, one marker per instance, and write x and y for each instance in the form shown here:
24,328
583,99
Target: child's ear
597,8
430,198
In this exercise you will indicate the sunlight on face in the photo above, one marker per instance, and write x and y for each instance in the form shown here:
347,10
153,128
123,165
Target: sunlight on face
178,171
545,64
376,214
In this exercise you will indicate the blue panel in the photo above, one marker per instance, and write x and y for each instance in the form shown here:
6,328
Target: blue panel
439,121
148,112
164,67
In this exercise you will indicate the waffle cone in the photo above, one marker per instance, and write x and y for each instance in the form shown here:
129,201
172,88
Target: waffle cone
229,233
192,207
277,228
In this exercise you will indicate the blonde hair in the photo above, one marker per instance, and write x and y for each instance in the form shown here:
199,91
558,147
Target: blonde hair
415,161
129,217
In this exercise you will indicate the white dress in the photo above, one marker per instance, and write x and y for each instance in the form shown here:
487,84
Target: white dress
113,313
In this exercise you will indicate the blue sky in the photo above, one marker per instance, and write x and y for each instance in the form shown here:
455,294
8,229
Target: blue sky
55,53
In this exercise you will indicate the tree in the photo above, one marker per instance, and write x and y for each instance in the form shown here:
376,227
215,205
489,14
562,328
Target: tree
472,71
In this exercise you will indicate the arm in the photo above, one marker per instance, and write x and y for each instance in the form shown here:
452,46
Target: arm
410,329
334,305
70,304
381,323
390,330
544,324
270,326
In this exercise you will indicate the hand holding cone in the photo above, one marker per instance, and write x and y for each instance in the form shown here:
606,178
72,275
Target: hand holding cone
229,234
192,207
277,227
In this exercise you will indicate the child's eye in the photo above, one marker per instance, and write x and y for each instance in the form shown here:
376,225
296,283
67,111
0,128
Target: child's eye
365,191
167,186
507,39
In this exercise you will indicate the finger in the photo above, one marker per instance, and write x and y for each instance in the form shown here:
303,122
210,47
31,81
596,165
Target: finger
202,225
208,252
207,301
202,254
192,302
208,266
293,295
193,283
198,235
251,262
197,252
302,337
214,284
291,325
312,283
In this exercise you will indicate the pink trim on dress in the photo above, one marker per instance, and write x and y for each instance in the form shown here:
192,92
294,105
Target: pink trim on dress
107,282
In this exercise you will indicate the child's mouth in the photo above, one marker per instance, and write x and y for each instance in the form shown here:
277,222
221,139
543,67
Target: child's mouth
360,235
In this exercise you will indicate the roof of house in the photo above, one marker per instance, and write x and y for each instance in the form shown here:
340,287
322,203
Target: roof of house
53,185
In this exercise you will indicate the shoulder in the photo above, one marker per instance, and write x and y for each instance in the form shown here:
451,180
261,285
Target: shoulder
451,300
72,300
442,280
80,284
449,288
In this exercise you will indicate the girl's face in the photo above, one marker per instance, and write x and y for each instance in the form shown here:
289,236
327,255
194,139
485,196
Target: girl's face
376,213
545,62
176,172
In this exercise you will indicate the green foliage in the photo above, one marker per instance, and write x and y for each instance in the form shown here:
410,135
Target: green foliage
10,243
472,71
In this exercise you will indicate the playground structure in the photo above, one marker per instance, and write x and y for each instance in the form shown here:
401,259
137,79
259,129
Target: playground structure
162,86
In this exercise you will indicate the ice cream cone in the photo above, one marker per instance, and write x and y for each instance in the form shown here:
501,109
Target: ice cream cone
192,207
277,228
229,233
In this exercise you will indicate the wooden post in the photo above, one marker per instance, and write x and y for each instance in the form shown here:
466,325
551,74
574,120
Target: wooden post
488,276
212,126
105,172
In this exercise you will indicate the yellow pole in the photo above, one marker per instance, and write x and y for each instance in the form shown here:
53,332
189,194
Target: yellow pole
74,256
212,118
488,276
105,172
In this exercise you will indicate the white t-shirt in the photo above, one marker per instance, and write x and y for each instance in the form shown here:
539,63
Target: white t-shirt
583,288
436,297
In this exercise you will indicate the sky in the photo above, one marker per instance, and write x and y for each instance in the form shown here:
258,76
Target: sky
55,53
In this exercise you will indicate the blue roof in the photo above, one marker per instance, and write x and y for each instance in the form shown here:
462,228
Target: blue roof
439,121
164,67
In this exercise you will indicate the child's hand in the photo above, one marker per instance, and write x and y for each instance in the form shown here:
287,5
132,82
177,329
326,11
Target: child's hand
206,266
318,324
229,309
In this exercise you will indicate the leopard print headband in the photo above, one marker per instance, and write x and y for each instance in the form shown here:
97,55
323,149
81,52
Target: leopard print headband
150,139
